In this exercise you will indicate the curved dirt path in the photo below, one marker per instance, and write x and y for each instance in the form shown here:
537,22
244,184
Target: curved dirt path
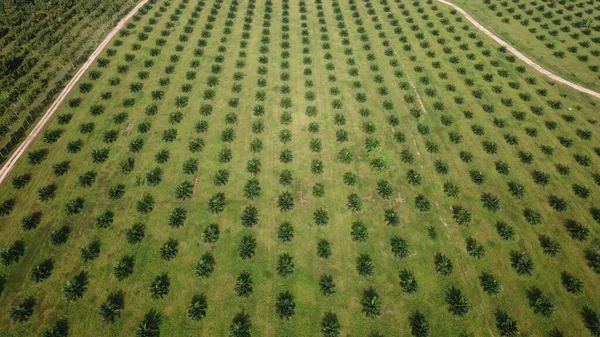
519,54
52,109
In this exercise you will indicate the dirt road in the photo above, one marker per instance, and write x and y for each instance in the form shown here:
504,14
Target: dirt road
519,54
52,109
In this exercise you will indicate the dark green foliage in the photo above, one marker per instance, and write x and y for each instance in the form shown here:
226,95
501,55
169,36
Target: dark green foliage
177,217
532,217
31,221
327,285
285,264
384,189
364,265
443,264
184,190
42,271
591,321
60,236
87,179
475,248
399,246
461,215
540,303
507,325
576,230
211,233
571,283
60,328
197,308
13,253
247,247
21,312
408,282
104,220
111,309
557,203
505,231
145,204
321,217
116,192
154,177
371,303
489,283
74,288
330,326
458,305
124,267
169,249
244,285
521,262
490,202
205,266
419,327
323,249
252,189
216,203
45,193
91,251
285,201
240,326
422,204
285,306
249,216
150,325
159,287
549,246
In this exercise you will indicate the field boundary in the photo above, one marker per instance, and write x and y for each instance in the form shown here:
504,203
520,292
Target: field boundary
520,55
8,165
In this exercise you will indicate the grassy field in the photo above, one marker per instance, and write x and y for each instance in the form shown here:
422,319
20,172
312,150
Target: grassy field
374,108
562,36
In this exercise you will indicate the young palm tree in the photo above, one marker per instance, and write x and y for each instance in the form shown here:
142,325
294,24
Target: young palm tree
240,326
42,271
364,265
330,325
60,328
285,305
371,303
150,325
285,201
249,216
285,264
21,312
507,325
327,285
399,246
124,267
323,249
169,249
539,302
211,233
489,283
74,288
285,232
521,263
457,304
391,217
321,217
359,231
408,281
205,266
216,203
252,189
197,308
247,247
419,327
112,307
384,188
442,263
354,203
244,285
177,217
571,283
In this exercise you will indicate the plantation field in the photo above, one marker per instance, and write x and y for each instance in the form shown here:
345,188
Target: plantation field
562,36
41,47
311,168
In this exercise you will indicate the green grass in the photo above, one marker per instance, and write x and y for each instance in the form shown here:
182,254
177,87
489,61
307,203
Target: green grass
519,35
311,305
